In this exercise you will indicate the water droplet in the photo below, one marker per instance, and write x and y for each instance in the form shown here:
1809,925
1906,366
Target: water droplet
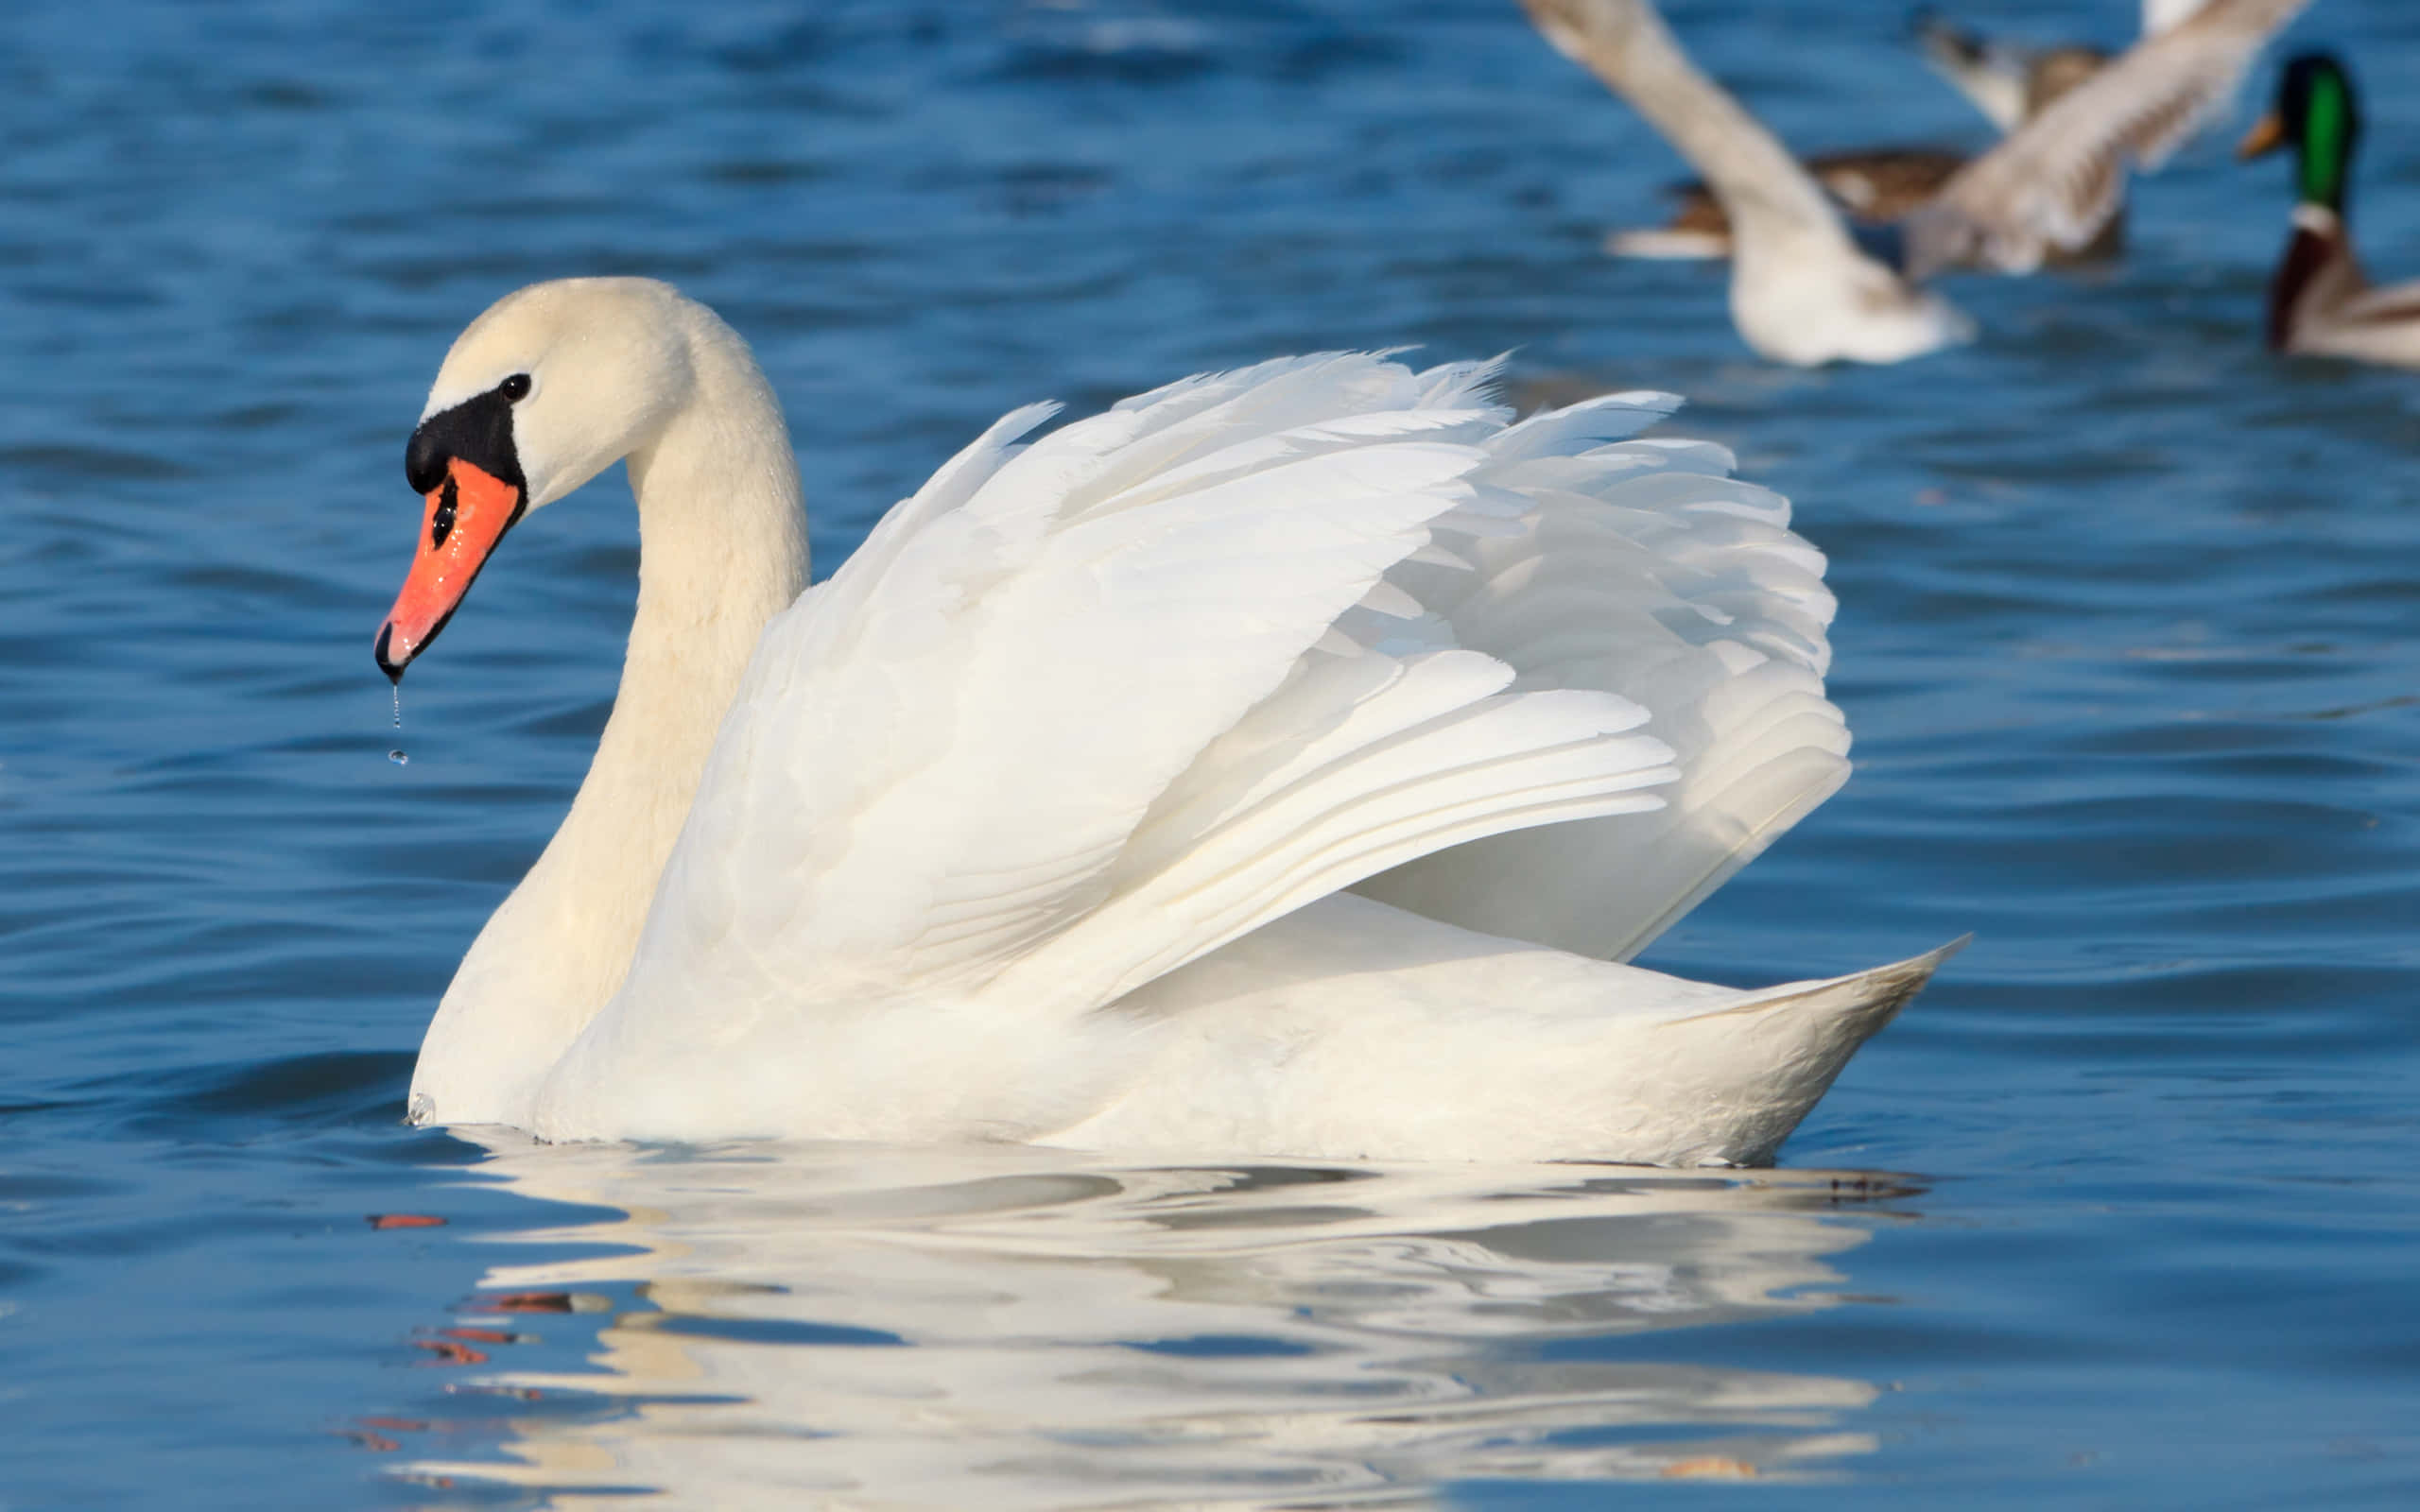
397,756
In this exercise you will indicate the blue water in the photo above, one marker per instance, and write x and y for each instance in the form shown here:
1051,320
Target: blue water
2123,1213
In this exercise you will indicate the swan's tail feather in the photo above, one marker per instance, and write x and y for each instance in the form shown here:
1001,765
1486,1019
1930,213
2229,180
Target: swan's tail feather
1863,1002
1778,1051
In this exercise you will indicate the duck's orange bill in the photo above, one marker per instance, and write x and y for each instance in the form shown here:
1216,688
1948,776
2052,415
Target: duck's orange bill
2266,133
468,514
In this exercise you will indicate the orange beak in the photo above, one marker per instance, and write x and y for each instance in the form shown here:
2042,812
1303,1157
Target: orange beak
467,513
2265,135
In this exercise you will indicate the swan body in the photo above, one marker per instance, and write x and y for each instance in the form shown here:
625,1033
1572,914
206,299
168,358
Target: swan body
1349,1026
1279,763
2321,302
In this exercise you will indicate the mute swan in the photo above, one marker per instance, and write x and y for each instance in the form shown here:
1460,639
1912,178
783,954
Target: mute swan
1802,291
2320,301
1032,822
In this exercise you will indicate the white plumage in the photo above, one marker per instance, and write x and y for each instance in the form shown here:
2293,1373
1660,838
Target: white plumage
1033,821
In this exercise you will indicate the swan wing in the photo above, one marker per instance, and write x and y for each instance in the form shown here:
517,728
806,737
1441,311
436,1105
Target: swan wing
1083,710
2056,180
1641,568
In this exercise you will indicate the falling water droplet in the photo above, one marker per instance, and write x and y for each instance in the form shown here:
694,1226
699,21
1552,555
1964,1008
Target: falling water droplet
399,758
399,706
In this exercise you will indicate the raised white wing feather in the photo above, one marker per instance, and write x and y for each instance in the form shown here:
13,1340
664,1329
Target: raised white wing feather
1644,570
1082,710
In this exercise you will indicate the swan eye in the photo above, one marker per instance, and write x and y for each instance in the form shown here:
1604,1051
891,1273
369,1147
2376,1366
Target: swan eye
515,389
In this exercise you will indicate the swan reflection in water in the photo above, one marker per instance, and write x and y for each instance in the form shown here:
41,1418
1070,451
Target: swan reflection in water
850,1326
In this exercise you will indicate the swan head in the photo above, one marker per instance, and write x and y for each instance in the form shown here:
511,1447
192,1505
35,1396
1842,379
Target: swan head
551,386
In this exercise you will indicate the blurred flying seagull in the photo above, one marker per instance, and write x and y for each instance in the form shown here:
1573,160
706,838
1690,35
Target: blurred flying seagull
1879,186
1802,291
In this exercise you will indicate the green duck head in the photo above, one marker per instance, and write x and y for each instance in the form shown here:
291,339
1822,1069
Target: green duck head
2316,112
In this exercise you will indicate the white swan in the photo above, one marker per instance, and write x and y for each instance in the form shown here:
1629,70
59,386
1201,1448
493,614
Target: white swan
1030,822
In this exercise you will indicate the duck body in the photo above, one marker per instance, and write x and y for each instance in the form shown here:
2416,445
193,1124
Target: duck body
1871,186
2321,302
1281,763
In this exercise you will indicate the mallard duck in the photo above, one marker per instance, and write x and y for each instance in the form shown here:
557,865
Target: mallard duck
2320,301
1801,289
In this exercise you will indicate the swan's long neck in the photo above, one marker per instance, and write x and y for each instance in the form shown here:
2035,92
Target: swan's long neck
722,549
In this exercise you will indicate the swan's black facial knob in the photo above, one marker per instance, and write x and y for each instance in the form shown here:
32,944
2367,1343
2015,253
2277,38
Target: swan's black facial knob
425,457
478,431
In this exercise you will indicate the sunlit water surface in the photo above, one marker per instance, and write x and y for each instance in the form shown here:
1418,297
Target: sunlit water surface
2121,1214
